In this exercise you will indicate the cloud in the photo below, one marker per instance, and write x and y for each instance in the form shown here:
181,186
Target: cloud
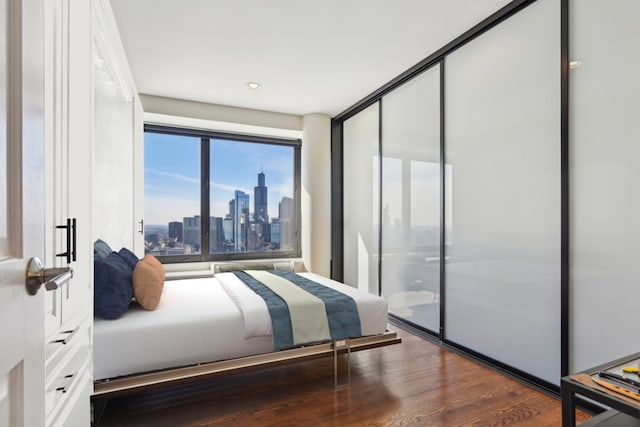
169,192
227,187
172,175
162,210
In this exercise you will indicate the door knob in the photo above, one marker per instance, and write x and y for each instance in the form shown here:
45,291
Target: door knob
51,278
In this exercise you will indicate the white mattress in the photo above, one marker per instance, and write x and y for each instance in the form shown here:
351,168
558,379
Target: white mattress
196,322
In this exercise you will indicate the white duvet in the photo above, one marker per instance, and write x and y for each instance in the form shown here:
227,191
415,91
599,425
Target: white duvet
257,322
199,321
255,314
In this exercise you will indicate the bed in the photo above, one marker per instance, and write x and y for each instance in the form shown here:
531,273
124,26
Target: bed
200,329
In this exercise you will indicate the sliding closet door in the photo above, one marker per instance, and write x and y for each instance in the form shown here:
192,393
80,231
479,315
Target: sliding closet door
502,139
410,265
605,207
361,199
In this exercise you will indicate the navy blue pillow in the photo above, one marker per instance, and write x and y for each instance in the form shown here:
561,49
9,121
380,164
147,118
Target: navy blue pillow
112,289
130,258
101,250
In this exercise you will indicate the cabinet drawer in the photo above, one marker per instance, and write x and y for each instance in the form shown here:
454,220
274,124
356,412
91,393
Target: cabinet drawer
75,409
62,342
64,369
64,383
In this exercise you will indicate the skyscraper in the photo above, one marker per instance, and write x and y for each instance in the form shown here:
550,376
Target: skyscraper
191,231
175,230
260,212
227,226
216,234
240,220
261,227
286,208
275,232
286,212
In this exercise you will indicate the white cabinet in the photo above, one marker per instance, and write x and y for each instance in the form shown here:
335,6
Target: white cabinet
68,371
93,121
68,159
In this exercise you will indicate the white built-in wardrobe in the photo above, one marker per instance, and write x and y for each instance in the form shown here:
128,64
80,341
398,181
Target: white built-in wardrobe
93,134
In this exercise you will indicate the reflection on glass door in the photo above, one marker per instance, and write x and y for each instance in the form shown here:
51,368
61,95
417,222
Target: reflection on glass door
361,201
410,263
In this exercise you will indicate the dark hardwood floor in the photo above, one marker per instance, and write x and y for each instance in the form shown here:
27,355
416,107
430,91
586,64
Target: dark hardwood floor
416,383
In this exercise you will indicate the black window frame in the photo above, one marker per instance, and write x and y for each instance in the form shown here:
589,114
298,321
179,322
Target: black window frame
205,139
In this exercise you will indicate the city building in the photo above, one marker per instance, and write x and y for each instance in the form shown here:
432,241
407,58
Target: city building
175,231
260,201
191,230
216,234
241,221
275,232
286,214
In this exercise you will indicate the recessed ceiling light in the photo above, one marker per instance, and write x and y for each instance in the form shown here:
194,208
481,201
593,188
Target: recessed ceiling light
574,64
254,85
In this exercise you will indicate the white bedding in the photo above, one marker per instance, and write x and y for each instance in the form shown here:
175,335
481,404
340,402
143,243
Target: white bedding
197,322
257,322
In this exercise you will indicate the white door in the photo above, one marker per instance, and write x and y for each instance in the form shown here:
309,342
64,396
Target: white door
22,212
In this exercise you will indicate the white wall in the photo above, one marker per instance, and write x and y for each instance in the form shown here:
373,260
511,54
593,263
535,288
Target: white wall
113,171
316,193
116,112
223,118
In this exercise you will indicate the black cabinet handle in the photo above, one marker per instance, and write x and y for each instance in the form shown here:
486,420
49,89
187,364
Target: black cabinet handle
67,253
73,227
70,253
141,222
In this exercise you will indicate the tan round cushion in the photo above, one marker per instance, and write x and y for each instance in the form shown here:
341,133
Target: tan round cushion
148,282
154,261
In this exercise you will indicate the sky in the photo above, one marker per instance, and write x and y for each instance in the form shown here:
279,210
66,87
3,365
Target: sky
172,175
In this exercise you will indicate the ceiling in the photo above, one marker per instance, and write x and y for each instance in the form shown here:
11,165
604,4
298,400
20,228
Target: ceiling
319,56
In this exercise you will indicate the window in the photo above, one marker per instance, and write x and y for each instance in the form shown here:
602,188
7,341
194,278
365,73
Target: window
213,196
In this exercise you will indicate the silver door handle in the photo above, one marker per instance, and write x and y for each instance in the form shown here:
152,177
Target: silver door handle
51,278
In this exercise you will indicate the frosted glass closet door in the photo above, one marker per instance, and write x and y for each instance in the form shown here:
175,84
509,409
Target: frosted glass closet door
361,188
502,140
410,268
605,202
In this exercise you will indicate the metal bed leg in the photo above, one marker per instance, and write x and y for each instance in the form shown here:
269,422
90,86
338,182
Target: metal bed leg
341,347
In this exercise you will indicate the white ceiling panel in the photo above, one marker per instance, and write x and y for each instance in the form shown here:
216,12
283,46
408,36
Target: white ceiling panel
309,56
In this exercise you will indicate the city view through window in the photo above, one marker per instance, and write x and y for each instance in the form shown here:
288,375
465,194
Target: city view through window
250,196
